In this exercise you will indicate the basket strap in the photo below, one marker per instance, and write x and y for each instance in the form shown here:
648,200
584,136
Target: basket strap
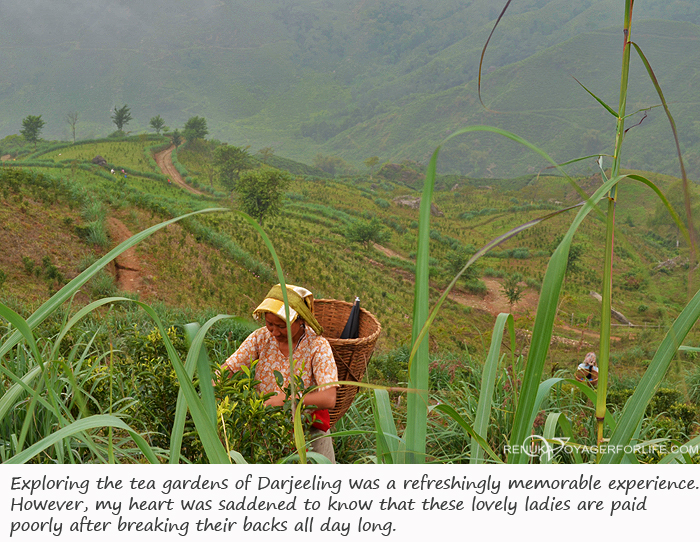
350,371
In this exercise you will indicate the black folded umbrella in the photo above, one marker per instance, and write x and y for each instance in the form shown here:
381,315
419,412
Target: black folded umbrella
352,327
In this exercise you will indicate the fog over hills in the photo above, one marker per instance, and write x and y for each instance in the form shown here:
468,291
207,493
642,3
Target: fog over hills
354,78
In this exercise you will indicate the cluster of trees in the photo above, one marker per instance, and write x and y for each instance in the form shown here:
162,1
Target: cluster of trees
195,127
259,190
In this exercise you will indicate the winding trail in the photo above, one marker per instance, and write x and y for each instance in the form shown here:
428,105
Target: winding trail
165,163
494,301
127,271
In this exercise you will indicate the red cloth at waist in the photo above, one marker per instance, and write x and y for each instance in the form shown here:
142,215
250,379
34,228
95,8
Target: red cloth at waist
321,419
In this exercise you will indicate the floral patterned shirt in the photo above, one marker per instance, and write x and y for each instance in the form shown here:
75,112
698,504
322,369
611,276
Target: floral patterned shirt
312,356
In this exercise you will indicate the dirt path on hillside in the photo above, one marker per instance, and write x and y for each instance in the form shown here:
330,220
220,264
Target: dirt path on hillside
165,163
493,302
127,271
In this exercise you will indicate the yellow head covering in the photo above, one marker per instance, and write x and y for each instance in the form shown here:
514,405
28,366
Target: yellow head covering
301,303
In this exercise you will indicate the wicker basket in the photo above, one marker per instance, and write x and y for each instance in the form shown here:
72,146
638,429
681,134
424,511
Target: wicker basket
351,355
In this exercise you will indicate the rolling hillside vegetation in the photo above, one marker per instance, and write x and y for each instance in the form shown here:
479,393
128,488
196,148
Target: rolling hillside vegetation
356,79
56,206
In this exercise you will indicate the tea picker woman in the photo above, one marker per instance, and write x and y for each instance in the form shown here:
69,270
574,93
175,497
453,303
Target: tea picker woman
313,358
588,370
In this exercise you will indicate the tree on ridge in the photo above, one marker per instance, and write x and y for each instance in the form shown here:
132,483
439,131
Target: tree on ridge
31,128
195,128
121,116
158,124
72,120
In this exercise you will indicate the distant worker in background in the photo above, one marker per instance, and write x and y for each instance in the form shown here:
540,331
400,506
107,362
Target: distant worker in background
588,370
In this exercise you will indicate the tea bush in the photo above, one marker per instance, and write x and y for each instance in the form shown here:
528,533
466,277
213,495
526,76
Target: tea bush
260,434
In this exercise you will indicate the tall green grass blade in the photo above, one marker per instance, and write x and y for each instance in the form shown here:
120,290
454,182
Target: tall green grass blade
195,336
622,104
387,443
590,393
544,322
22,327
542,393
605,319
216,453
12,395
601,102
684,176
568,432
452,413
29,417
674,215
237,458
580,159
79,315
22,330
78,427
418,377
299,439
318,458
483,52
488,382
548,436
680,453
634,409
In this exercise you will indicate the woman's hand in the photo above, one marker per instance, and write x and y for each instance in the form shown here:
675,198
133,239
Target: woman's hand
276,400
324,398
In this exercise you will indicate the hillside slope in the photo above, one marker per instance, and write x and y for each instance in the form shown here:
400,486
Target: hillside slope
216,262
353,79
539,100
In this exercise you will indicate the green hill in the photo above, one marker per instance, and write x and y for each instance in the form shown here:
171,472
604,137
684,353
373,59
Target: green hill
218,263
539,100
352,79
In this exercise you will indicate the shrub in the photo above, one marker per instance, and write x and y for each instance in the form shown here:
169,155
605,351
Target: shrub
366,232
455,260
391,367
102,285
260,434
618,397
692,381
93,233
685,413
28,265
662,401
511,288
476,287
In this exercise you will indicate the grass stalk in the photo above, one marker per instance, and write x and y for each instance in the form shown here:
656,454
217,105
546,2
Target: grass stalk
488,380
605,318
606,305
